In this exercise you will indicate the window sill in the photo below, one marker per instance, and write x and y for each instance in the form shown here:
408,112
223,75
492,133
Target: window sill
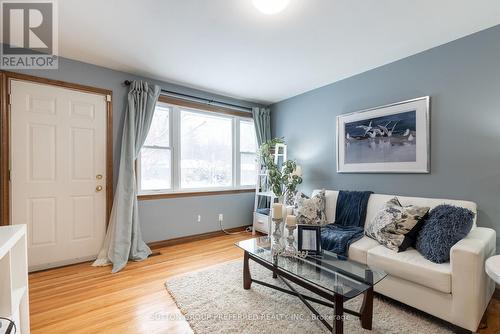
146,197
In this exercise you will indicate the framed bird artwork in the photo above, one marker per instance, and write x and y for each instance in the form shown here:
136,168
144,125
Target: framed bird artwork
394,138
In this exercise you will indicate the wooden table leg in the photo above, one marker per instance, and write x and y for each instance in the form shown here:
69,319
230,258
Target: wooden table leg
367,310
367,306
247,278
338,320
275,265
275,275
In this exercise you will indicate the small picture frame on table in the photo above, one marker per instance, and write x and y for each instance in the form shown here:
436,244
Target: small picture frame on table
309,238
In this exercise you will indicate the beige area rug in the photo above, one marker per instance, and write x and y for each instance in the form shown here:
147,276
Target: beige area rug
213,301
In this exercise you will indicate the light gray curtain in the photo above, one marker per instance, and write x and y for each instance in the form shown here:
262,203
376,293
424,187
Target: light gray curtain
262,120
123,240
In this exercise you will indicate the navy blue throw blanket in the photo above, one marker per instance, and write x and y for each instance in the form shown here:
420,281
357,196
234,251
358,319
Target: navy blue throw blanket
350,215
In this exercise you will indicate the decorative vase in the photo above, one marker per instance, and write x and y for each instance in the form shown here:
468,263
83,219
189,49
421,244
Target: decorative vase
290,248
289,197
277,229
277,233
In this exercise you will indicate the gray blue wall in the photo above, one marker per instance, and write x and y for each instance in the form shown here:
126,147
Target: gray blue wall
164,218
463,80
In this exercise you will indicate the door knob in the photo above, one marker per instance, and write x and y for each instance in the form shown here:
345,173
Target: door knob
98,188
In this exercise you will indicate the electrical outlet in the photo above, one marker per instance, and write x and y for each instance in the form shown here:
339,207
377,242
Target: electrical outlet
199,218
221,217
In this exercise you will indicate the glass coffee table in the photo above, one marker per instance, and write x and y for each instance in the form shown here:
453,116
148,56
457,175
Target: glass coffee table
327,276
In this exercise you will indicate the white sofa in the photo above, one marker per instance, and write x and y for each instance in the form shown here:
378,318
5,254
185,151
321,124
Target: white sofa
457,292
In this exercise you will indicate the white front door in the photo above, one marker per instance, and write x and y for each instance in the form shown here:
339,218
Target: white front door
58,172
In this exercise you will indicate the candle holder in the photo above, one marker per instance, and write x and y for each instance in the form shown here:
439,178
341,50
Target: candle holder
277,233
290,248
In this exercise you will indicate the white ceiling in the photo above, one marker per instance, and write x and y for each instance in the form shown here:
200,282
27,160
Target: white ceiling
228,47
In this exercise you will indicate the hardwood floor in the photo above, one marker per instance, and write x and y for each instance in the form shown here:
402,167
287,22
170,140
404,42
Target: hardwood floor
85,299
493,316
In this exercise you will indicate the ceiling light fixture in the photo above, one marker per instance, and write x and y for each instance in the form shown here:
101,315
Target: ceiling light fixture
270,7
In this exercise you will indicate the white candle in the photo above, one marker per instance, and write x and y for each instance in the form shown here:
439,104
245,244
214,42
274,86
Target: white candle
277,210
291,220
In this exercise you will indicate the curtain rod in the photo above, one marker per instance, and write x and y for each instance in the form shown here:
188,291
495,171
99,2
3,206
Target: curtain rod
192,97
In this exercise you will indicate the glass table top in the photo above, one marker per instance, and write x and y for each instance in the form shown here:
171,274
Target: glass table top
326,270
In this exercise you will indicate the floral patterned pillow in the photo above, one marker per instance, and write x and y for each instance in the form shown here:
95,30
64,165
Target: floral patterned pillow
310,210
396,226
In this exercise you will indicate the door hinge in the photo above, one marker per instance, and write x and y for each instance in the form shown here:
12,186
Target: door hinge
8,174
10,99
108,98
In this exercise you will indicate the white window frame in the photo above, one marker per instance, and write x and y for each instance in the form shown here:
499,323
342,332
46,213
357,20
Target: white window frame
240,152
175,150
170,147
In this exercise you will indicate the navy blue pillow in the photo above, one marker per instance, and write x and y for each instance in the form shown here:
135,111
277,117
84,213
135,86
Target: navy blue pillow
445,226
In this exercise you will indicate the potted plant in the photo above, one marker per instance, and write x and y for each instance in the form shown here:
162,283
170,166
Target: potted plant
283,180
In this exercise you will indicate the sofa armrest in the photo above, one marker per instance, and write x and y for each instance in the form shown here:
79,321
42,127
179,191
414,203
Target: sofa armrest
471,287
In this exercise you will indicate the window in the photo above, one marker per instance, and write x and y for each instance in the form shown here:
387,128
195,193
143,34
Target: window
248,153
190,150
156,155
206,150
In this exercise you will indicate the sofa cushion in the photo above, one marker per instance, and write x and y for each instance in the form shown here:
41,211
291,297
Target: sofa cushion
359,249
396,226
411,266
445,226
310,210
330,205
377,201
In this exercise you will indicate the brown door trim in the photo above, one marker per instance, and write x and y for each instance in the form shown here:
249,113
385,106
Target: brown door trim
4,153
5,79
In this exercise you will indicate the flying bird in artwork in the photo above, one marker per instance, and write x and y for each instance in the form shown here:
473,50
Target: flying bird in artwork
392,129
385,129
366,128
374,132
